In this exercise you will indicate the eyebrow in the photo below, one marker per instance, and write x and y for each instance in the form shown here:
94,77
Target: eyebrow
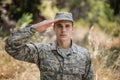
61,23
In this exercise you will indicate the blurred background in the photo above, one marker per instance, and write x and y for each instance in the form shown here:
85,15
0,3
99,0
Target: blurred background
97,27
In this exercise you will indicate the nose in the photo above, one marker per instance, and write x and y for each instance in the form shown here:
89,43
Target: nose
64,29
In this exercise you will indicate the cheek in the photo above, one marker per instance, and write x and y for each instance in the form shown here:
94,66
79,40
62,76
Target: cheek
56,32
71,31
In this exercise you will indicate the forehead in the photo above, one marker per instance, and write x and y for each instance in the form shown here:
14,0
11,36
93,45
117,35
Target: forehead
64,22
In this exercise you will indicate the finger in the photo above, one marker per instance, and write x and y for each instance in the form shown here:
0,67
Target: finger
53,20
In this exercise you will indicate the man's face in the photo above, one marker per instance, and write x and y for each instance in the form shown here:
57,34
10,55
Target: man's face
63,30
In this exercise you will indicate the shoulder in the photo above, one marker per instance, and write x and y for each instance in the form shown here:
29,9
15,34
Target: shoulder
80,48
81,51
42,46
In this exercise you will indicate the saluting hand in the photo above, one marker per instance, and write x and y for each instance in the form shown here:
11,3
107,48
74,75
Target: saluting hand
42,26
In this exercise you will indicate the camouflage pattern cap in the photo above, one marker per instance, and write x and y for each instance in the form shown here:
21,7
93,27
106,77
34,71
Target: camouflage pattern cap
64,16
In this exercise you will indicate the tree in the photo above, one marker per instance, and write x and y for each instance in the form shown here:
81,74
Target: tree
115,5
12,12
79,8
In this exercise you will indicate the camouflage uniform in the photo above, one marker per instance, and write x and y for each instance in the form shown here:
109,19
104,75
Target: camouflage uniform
54,63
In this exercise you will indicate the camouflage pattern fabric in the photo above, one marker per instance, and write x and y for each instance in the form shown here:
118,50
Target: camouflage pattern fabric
54,62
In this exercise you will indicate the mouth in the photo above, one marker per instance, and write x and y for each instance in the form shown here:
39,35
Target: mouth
63,35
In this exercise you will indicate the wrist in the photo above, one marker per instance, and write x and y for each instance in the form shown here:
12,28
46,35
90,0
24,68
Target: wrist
32,29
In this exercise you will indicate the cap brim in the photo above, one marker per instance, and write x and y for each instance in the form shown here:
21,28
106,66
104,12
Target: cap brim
62,19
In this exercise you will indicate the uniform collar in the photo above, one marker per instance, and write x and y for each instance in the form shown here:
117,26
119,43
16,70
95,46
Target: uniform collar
73,48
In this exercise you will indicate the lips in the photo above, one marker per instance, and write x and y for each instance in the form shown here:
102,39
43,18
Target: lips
63,35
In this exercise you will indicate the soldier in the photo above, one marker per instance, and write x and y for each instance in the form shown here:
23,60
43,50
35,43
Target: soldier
59,60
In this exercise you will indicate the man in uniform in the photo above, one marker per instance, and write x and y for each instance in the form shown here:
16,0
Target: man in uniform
59,60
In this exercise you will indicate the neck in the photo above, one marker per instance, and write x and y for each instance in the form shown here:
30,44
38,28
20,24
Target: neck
64,44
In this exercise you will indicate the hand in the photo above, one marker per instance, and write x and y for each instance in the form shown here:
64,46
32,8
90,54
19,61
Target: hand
42,26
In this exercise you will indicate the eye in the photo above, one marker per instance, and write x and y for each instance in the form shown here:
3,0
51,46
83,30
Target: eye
67,26
59,26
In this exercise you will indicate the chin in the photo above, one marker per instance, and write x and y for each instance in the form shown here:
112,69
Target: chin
63,39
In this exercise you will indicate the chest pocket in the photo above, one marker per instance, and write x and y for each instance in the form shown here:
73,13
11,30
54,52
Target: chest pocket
74,65
73,69
49,63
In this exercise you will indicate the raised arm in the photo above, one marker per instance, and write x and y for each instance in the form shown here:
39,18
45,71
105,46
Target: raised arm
17,45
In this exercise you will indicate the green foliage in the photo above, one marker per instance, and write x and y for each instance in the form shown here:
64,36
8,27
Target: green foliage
79,8
18,7
85,12
101,14
24,20
47,9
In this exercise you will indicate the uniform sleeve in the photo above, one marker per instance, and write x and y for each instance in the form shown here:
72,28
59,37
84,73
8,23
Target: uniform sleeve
89,69
17,46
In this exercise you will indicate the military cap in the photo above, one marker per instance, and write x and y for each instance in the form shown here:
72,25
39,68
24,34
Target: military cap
64,16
